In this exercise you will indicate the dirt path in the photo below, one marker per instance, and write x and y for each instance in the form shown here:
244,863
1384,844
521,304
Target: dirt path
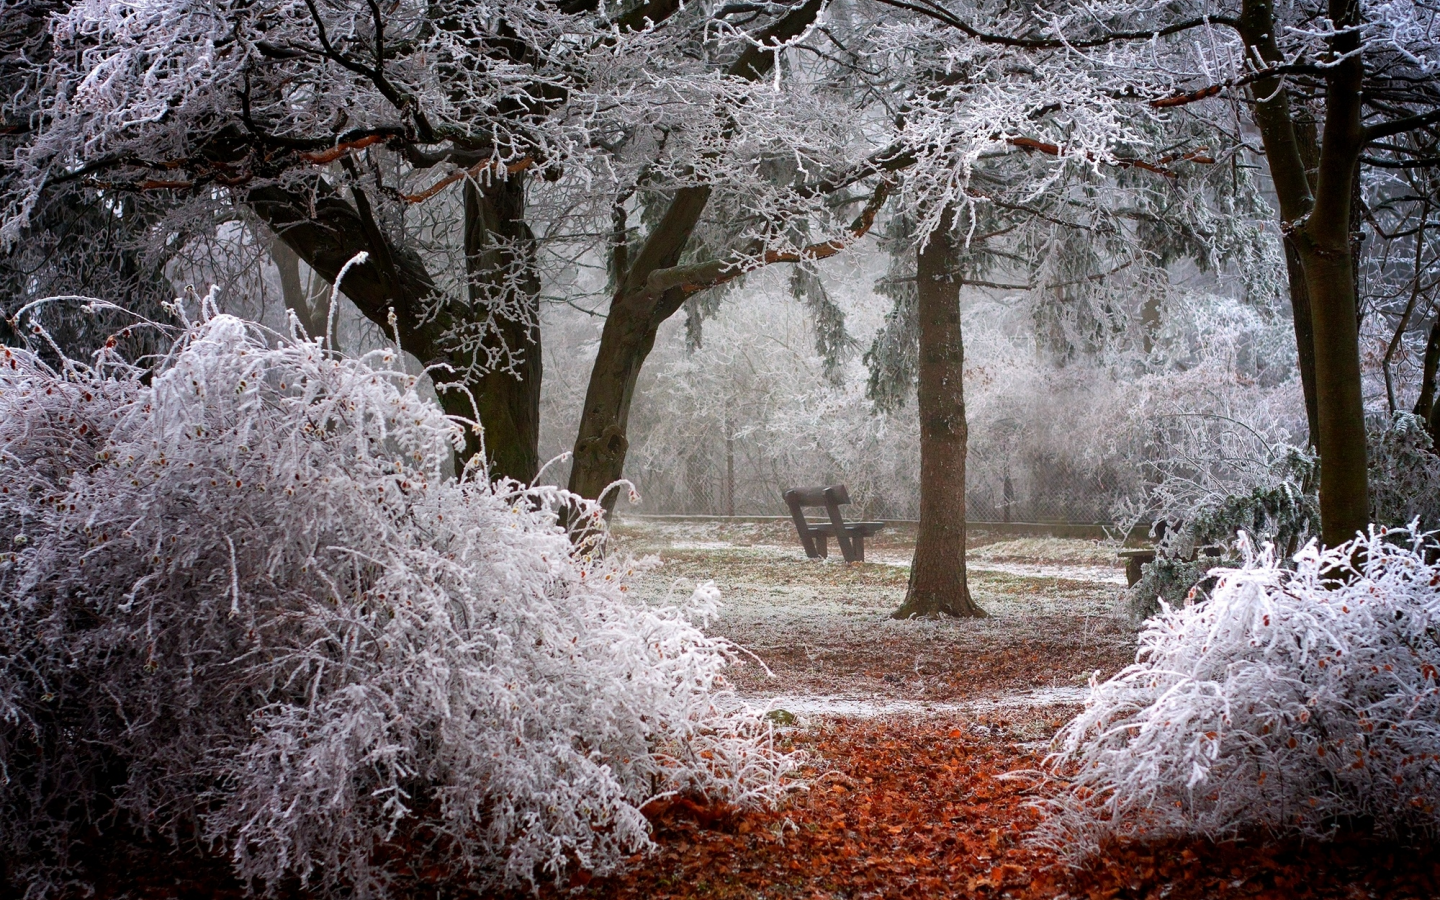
822,628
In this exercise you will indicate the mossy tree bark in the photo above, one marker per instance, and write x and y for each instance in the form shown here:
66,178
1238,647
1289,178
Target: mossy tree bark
938,583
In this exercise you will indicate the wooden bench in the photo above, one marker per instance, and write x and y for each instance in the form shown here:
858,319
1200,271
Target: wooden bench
814,537
1134,559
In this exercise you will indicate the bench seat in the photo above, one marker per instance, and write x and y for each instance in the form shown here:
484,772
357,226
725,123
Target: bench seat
865,528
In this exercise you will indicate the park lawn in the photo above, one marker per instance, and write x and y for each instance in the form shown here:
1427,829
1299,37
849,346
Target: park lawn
823,628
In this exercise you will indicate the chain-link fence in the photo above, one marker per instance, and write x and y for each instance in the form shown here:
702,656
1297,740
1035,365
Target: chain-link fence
733,477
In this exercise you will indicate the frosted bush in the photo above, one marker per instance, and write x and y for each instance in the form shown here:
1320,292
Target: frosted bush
1288,703
240,604
1404,471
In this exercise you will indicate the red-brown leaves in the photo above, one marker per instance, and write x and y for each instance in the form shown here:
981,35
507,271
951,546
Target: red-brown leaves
895,808
913,809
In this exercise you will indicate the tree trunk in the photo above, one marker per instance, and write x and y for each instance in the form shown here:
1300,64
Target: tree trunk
313,317
327,231
1308,147
502,273
1425,405
1317,223
938,584
1304,337
637,311
1328,254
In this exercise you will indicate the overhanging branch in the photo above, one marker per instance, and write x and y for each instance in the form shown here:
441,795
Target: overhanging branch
1200,155
700,276
939,14
1400,126
474,171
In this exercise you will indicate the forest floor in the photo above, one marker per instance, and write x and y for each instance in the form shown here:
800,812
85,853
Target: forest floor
905,726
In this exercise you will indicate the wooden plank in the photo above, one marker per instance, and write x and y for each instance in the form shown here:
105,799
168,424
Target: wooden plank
865,528
807,496
837,522
794,500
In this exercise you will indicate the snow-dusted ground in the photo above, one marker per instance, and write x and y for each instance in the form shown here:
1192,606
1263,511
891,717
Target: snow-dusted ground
874,707
1070,572
824,643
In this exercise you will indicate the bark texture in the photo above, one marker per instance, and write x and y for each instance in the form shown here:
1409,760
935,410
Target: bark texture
1317,225
938,583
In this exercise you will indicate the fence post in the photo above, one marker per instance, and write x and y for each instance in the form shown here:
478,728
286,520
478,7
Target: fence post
1009,496
729,468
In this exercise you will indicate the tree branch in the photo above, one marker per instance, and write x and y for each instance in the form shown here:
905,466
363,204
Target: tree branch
474,171
1399,126
1196,156
700,276
945,17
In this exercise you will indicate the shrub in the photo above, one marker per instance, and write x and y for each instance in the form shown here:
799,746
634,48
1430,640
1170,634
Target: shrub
1164,581
1404,471
241,606
1290,702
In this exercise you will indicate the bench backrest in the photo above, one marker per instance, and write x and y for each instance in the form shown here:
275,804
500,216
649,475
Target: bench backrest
832,498
819,496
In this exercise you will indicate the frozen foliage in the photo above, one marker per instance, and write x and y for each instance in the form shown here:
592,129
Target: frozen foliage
1225,477
1287,703
239,602
1245,489
1404,473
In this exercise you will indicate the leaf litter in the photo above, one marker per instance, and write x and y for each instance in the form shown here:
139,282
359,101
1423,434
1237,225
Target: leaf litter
910,728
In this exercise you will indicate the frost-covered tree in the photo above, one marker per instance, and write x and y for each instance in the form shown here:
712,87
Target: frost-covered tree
86,243
1057,196
1365,71
432,137
1400,271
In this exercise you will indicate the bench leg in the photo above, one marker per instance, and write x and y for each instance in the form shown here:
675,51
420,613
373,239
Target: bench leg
1132,570
856,549
822,545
